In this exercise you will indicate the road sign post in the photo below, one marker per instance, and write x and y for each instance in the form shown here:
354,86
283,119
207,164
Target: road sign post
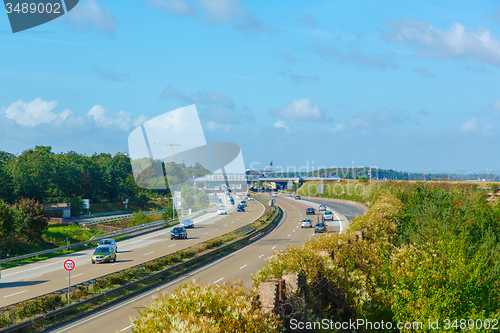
69,265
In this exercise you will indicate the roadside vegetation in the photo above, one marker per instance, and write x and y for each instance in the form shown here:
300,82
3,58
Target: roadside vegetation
422,252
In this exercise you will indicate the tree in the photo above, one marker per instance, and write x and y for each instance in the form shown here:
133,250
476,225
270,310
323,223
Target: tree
30,220
6,220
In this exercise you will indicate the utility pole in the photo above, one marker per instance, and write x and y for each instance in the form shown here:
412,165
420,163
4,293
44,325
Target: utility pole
171,147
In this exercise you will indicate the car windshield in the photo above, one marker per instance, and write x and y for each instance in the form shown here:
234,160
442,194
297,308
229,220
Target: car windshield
178,230
306,220
105,242
103,250
328,213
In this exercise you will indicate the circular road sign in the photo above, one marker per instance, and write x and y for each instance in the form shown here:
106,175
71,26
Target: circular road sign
69,265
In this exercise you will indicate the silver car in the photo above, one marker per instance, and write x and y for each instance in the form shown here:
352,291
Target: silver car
109,242
306,223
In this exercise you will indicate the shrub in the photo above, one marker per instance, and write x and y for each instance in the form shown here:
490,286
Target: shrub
117,278
101,284
213,308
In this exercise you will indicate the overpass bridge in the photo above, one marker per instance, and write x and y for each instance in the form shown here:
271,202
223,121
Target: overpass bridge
240,179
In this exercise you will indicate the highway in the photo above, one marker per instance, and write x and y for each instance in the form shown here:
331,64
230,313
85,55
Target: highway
238,265
35,279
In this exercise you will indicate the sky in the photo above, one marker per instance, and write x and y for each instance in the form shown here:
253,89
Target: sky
387,84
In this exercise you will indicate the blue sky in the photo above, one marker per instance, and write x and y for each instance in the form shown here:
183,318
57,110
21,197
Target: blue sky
335,83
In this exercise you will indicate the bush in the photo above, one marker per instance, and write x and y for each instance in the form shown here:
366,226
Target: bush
213,308
38,306
101,284
117,278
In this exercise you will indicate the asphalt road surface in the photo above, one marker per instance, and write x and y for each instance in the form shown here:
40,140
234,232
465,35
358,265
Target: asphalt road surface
238,265
42,277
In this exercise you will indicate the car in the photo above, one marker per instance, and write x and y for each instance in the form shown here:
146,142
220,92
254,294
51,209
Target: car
178,233
222,210
241,208
289,194
306,223
250,198
104,253
275,194
243,202
297,197
231,200
322,208
328,215
310,210
187,223
320,227
109,242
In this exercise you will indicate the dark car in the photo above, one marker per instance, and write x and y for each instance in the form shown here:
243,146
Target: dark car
297,197
310,210
179,233
231,200
243,202
241,208
319,227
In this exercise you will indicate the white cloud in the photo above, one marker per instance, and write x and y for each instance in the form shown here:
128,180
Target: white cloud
35,112
338,128
281,124
303,109
39,112
121,119
90,14
176,7
207,98
252,25
223,11
469,125
457,42
215,126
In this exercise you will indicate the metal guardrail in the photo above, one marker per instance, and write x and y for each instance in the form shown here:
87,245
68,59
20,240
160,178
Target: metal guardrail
127,231
81,221
218,252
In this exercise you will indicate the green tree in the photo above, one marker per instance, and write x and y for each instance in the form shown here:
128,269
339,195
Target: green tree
30,220
6,220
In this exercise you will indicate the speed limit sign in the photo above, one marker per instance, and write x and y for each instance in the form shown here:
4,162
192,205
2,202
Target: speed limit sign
69,265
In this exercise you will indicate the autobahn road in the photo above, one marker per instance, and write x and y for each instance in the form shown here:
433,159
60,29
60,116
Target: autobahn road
35,279
238,265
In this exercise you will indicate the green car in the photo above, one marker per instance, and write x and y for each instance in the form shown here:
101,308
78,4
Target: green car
104,253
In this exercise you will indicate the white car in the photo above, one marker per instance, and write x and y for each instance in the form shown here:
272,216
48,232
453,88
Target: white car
250,197
289,194
328,215
275,194
322,208
306,223
222,210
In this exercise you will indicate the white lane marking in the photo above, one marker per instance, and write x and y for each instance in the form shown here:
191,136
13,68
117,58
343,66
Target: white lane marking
16,293
261,256
219,280
294,230
243,266
145,254
172,245
76,275
273,247
123,329
205,233
57,262
225,225
288,235
114,264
